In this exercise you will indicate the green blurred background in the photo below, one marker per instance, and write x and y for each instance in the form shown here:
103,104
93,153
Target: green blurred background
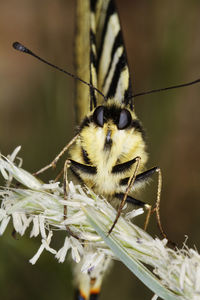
36,111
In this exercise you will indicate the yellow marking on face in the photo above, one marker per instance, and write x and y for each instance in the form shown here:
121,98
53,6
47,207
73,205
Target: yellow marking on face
126,145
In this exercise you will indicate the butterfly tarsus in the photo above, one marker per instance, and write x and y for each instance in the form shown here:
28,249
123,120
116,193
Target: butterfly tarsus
54,162
128,189
149,213
59,175
151,210
66,185
66,192
157,207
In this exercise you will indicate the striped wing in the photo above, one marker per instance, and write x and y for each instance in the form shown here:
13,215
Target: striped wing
101,61
89,285
100,56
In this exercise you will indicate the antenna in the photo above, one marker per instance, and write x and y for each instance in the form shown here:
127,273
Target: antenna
165,89
18,46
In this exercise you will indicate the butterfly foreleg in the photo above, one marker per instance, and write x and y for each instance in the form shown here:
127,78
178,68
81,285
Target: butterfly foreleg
66,192
66,184
76,168
142,178
131,181
54,162
157,206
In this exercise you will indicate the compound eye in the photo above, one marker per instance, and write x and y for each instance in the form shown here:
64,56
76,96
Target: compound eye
124,119
98,116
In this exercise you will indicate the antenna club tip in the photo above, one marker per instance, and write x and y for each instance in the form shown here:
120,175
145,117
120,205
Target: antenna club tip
19,47
16,45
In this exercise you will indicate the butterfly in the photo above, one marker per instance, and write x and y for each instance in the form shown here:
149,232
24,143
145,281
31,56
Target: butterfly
109,152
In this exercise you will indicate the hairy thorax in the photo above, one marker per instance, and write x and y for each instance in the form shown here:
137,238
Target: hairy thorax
105,147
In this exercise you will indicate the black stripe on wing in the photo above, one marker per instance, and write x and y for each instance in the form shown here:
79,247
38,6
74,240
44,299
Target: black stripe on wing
93,66
119,67
110,11
114,83
94,296
78,295
93,5
118,42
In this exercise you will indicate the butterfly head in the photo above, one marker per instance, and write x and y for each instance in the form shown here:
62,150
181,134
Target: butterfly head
111,129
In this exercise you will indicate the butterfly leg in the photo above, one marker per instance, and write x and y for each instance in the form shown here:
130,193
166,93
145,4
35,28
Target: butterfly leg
128,189
142,178
157,207
76,167
66,191
53,163
138,203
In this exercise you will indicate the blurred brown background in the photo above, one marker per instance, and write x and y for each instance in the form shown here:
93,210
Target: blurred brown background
36,111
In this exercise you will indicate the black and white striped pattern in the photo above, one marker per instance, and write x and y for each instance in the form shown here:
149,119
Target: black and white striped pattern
100,56
107,54
101,61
